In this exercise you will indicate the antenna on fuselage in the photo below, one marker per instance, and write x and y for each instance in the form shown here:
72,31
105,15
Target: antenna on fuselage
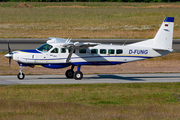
124,42
68,40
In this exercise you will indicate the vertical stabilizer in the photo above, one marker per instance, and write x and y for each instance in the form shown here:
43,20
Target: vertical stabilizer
163,39
164,36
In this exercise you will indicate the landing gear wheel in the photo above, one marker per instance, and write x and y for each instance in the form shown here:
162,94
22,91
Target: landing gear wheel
21,76
78,75
69,73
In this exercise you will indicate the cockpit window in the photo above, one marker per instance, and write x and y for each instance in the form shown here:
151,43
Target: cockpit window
55,50
44,48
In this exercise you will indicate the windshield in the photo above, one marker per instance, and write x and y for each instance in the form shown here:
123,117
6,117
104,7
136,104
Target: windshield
44,48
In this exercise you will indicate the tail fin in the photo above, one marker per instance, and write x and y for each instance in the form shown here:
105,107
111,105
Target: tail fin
164,36
163,39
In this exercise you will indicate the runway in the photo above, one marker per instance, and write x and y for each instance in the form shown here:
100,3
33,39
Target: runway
92,79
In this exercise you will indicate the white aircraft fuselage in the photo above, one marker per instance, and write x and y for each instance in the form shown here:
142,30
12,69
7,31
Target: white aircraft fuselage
98,55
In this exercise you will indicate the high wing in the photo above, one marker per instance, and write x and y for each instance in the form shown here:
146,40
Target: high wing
57,40
78,45
68,44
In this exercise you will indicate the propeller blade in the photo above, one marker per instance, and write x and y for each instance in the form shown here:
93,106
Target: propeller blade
9,61
9,49
9,54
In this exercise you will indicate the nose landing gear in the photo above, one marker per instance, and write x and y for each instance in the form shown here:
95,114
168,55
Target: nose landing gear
21,75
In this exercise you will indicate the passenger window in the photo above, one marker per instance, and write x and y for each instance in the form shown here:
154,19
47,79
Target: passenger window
102,51
111,51
119,51
82,50
55,50
70,50
63,50
94,51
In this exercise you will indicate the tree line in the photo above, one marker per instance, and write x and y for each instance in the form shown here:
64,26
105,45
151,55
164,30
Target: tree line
89,0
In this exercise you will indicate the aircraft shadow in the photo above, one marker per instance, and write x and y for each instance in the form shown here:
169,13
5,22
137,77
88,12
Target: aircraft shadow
114,77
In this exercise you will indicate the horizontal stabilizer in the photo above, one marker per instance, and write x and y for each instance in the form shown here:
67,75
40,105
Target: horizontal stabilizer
158,49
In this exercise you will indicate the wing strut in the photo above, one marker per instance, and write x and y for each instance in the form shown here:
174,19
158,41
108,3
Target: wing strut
70,54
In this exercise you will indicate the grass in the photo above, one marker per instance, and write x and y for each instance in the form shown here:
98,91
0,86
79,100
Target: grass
85,20
92,101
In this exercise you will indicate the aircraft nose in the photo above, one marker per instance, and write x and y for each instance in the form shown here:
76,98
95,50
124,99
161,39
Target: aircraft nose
9,55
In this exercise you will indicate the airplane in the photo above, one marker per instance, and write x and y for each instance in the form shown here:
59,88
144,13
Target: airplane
60,53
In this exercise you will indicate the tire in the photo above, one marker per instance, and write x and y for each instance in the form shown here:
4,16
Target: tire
21,76
69,73
78,75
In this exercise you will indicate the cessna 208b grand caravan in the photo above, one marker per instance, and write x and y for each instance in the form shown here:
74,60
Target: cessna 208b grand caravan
60,53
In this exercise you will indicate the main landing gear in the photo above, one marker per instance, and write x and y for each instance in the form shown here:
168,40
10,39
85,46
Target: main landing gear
78,75
21,75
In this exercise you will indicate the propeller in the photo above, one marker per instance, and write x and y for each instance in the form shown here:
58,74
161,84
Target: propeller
9,51
9,55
